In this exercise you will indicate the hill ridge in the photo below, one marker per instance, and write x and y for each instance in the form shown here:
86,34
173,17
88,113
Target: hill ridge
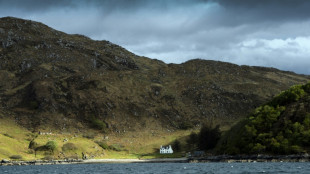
52,80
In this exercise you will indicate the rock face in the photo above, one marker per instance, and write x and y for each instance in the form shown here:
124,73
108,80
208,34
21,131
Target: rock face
50,79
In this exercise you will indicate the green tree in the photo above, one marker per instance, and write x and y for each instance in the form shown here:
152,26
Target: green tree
208,137
296,149
51,146
290,95
192,141
33,145
176,146
306,121
258,148
98,124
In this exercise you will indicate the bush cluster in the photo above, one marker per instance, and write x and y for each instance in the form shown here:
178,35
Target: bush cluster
206,139
269,130
16,157
50,146
105,146
98,124
69,147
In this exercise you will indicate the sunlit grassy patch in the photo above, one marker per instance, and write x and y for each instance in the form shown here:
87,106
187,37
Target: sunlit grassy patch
14,140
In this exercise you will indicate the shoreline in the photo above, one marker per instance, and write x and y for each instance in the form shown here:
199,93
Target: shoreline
156,160
207,159
5,162
251,158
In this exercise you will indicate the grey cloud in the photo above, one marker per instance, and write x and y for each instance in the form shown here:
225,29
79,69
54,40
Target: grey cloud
104,5
244,10
177,30
36,5
231,13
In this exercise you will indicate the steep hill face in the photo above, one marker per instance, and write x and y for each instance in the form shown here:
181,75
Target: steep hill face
50,79
281,126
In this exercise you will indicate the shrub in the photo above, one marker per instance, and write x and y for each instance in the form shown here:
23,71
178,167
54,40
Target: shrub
115,147
192,141
277,127
8,135
258,148
51,145
306,87
103,144
208,137
89,135
48,158
186,125
33,145
16,157
98,124
69,147
34,105
288,96
296,149
176,145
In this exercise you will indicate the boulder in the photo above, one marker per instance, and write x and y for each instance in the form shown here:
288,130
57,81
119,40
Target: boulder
5,161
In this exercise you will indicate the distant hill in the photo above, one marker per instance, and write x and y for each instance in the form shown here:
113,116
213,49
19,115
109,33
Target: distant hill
282,126
70,83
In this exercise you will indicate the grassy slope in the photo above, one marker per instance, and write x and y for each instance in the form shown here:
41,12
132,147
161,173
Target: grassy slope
14,140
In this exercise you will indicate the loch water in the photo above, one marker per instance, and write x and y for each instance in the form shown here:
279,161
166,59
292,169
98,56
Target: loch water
159,168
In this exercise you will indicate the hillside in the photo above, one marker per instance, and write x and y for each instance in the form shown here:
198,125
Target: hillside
52,80
281,126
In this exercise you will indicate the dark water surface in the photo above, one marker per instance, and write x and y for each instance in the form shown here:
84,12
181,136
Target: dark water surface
154,168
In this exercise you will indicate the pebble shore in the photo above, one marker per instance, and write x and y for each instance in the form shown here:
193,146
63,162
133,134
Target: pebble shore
220,158
5,162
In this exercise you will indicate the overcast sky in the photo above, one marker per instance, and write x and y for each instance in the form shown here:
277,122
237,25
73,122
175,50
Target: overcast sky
273,33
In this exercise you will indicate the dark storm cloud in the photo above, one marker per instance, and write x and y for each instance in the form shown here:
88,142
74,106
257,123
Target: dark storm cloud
104,4
254,32
36,5
230,12
260,9
267,10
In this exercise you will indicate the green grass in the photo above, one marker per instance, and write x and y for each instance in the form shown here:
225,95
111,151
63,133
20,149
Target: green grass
14,140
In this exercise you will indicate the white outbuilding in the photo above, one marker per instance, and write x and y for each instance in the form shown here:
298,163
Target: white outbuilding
165,149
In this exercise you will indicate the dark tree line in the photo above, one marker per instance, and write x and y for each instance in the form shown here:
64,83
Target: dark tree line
206,139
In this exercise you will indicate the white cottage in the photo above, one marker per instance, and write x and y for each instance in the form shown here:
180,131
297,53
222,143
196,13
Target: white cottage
165,149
